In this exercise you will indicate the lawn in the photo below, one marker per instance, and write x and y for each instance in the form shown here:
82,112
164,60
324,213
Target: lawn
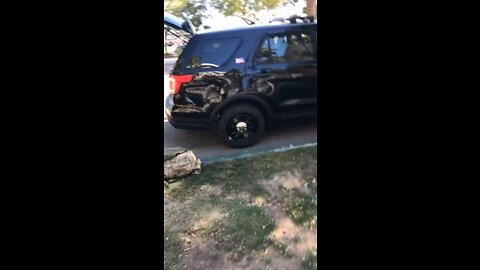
253,213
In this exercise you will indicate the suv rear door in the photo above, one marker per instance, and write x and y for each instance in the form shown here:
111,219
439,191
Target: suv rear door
285,68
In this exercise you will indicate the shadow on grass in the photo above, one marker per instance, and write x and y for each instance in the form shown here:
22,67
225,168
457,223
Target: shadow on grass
302,209
207,213
310,261
243,174
245,229
172,247
210,225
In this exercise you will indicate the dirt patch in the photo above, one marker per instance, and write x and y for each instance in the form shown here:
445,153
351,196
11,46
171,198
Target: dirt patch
205,255
241,196
259,201
286,180
222,220
206,219
207,190
200,252
297,240
278,261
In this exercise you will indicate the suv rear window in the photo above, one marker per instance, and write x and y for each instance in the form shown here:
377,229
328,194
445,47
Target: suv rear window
211,53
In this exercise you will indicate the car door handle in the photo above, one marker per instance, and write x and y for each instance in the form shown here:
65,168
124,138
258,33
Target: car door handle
296,75
265,70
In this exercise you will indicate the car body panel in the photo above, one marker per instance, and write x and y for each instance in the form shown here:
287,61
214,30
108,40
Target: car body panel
276,89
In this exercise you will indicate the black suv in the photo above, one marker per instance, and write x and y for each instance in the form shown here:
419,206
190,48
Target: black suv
238,81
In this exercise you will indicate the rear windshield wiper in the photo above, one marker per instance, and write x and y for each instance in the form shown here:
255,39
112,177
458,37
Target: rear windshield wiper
203,65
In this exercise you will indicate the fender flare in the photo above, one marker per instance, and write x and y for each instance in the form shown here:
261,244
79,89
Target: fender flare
264,107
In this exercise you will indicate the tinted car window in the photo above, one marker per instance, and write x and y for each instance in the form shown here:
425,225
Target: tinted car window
292,47
210,53
264,55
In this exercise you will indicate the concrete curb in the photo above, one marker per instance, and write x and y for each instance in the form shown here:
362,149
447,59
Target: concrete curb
256,153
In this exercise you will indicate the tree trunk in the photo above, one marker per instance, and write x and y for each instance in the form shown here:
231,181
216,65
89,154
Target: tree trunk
312,8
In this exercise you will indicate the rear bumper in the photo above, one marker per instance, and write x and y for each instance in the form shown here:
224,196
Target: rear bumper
189,123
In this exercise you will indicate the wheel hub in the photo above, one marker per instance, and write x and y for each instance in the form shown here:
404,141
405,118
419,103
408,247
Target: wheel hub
241,126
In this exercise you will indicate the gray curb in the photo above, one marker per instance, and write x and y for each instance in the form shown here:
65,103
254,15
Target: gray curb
255,153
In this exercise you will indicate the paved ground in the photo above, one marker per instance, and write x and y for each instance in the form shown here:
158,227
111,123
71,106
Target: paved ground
168,65
206,146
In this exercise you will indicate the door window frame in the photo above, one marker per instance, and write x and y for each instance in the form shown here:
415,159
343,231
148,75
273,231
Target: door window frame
309,32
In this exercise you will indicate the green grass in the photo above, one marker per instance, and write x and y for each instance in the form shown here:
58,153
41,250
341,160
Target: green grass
173,247
310,261
282,249
297,239
243,228
301,208
244,174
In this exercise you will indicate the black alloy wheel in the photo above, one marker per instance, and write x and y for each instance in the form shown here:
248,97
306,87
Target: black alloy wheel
241,126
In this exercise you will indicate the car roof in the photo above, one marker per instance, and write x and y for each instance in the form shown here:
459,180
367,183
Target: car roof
255,27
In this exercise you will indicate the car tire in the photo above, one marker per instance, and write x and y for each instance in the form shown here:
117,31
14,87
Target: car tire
241,126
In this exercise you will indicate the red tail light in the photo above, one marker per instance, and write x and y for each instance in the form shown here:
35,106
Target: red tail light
177,80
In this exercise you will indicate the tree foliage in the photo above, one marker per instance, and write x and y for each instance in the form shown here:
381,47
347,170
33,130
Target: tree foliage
195,9
244,7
